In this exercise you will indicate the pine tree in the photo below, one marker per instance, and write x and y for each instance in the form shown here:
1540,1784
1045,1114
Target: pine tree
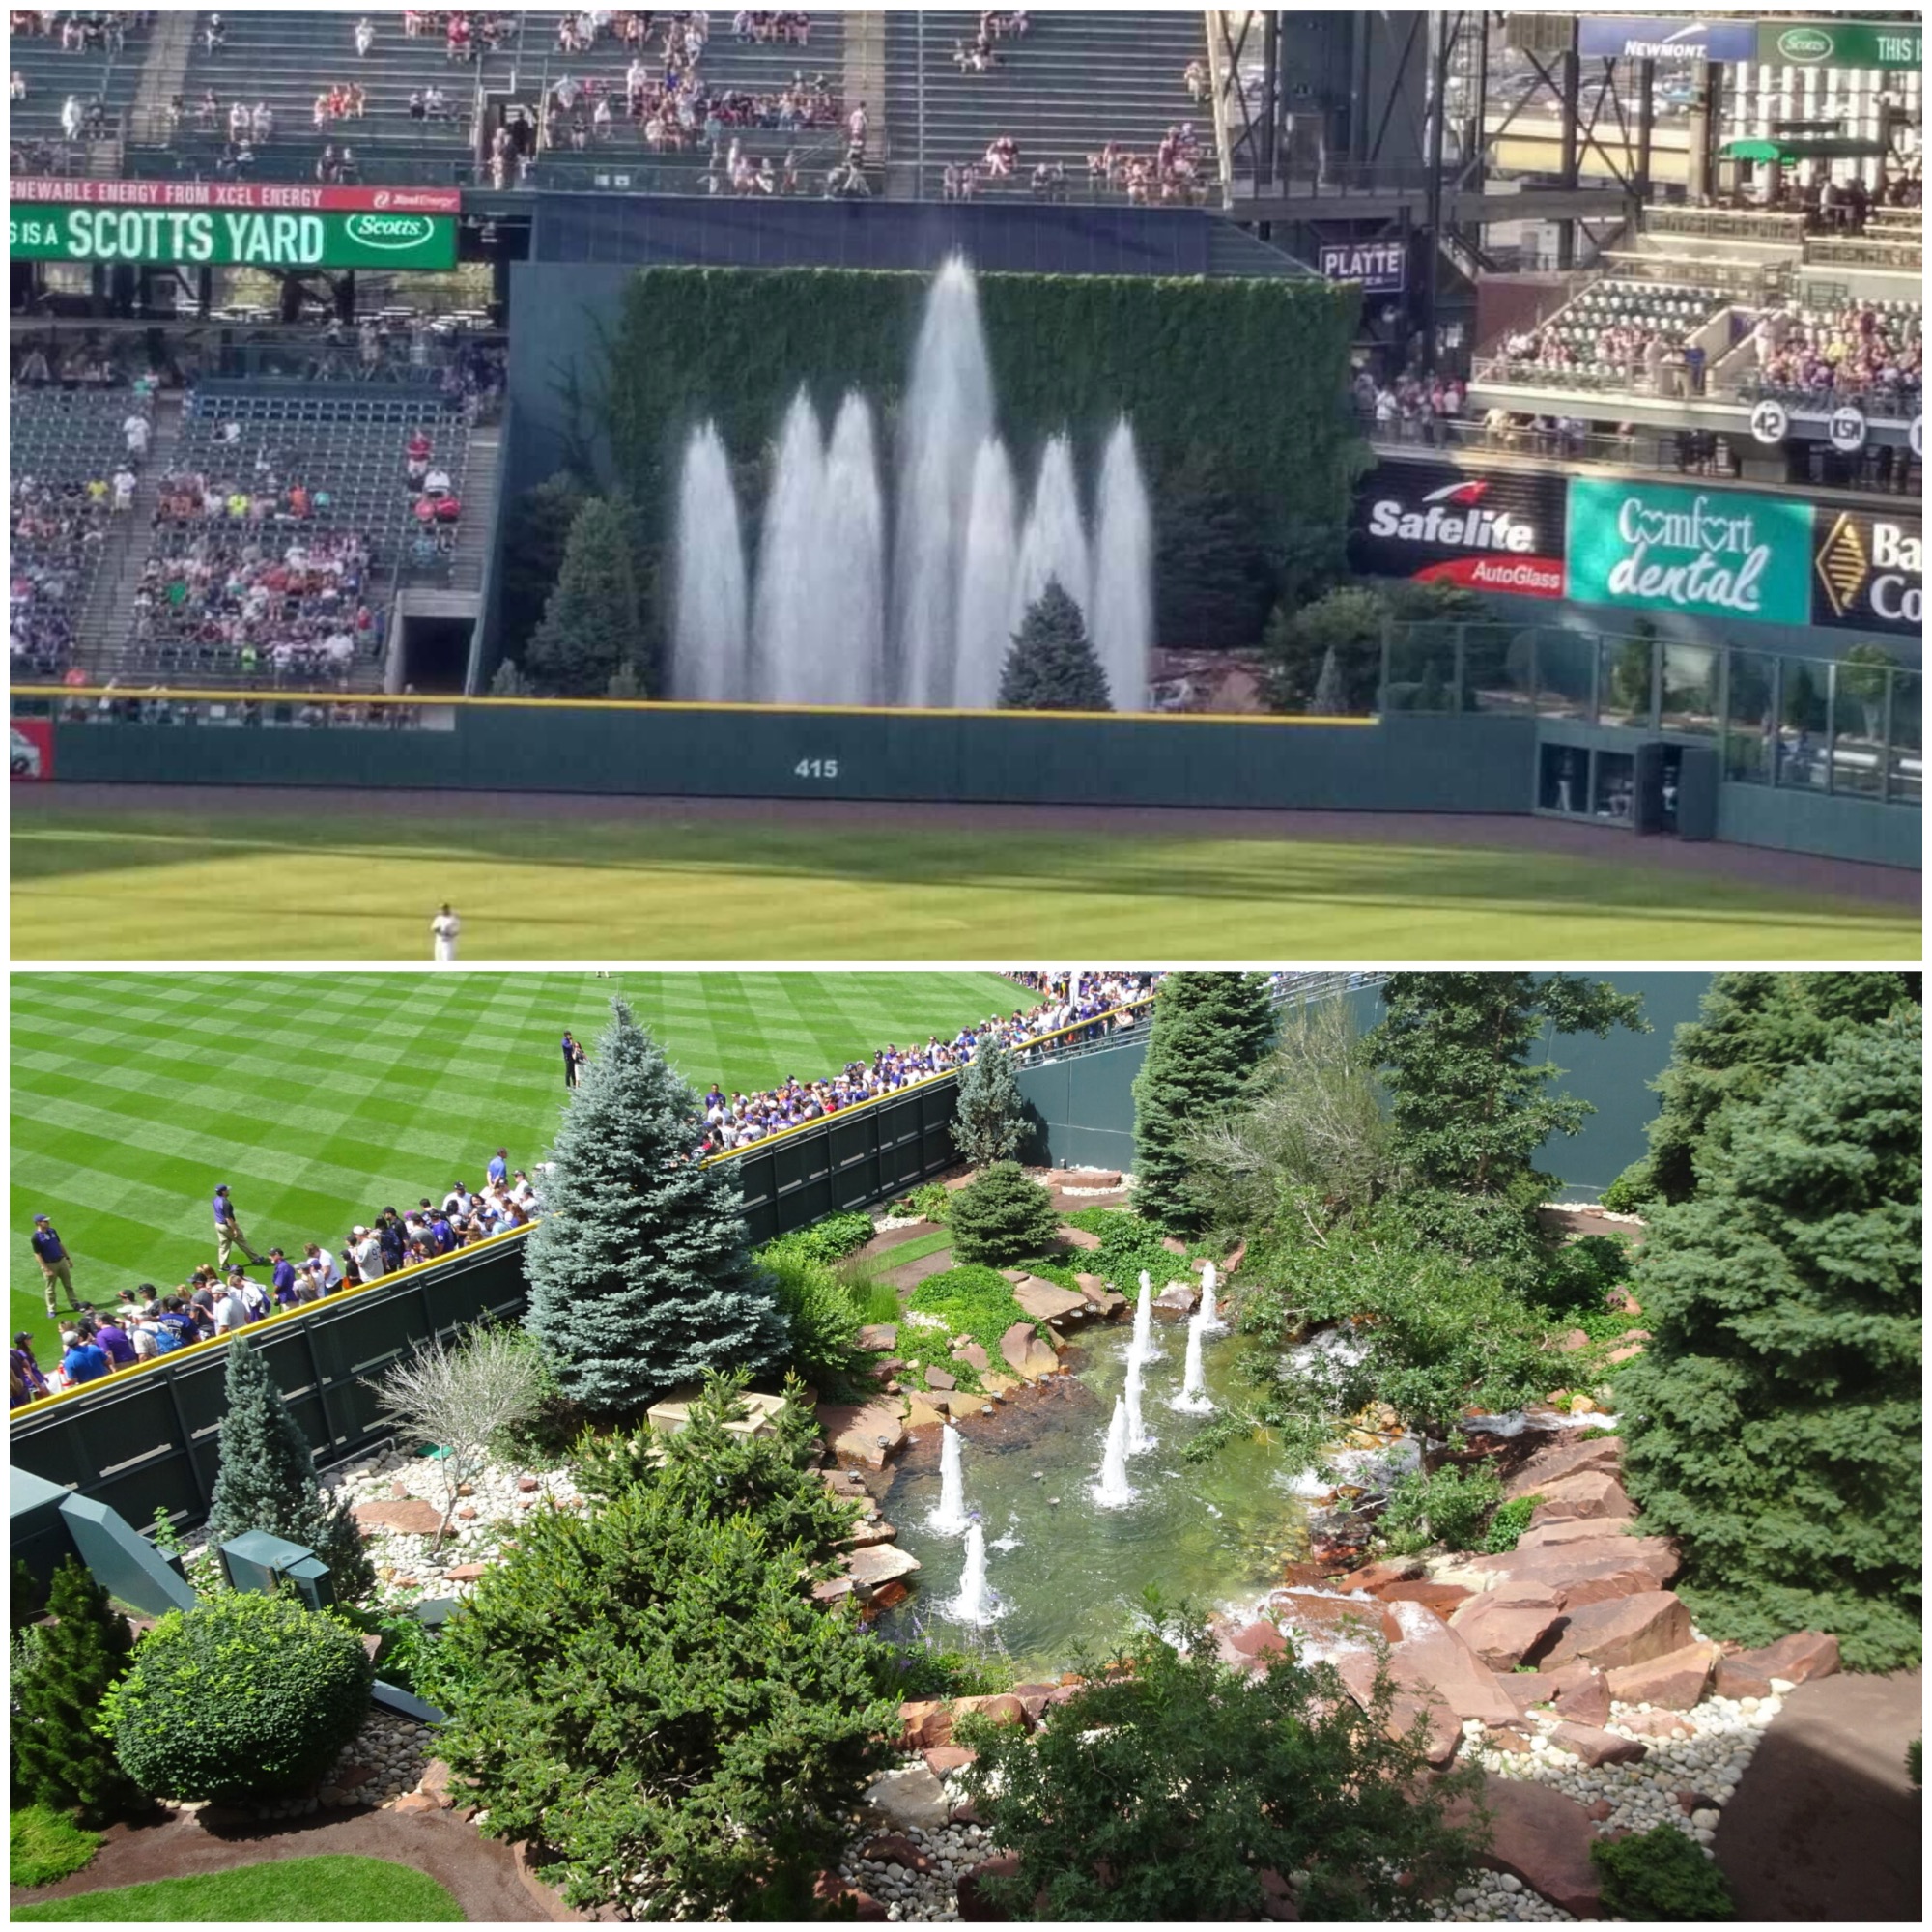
641,1280
1328,700
1775,1412
989,1121
1213,580
59,1759
592,622
1209,1032
1051,665
1002,1217
509,681
537,527
266,1479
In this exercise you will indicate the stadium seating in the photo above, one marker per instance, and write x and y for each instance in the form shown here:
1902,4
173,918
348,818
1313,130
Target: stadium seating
1873,351
1614,330
105,71
61,441
1074,82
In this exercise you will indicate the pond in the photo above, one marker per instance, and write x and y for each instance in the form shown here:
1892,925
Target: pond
1064,1573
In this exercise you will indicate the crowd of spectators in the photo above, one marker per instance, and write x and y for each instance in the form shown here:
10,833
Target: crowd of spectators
147,1323
1413,407
1172,174
982,53
1865,350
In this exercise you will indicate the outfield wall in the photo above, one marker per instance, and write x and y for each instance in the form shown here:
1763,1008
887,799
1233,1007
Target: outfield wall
1471,763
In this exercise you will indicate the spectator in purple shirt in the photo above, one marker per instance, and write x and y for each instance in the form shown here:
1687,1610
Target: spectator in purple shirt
117,1342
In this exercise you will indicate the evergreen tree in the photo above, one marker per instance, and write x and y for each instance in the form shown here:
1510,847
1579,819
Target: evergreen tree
509,681
592,622
1750,1029
640,1281
1330,700
1775,1412
266,1479
1051,665
1213,580
989,1121
59,1759
1002,1217
1469,1107
536,532
1209,1032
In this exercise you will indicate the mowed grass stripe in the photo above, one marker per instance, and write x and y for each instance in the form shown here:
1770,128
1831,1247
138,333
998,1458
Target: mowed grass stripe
320,1100
191,885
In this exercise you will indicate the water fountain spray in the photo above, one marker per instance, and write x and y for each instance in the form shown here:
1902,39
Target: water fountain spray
975,1604
1142,1348
951,1517
1193,1397
1139,1441
1113,1491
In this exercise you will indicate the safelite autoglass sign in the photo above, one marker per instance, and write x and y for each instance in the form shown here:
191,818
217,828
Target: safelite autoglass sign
231,238
1705,553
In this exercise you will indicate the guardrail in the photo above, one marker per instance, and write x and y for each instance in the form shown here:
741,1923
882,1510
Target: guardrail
1729,224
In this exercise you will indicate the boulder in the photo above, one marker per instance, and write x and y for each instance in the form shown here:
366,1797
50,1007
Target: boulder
410,1515
1655,1724
1101,1296
1573,1529
1434,1662
894,1848
1558,1459
1252,1642
1796,1658
1001,1707
1504,1626
1047,1301
1174,1244
1572,1340
1586,1701
973,1355
831,1591
1584,1571
1324,1610
1444,1733
1676,1681
875,1529
1398,1570
867,1432
1277,1898
1617,1357
921,1413
1441,1598
1589,1496
1623,1630
882,1564
1026,1354
464,1573
882,1337
1079,1238
940,1378
415,1801
908,1799
974,1904
1176,1301
1542,1837
943,1760
1595,1746
927,1721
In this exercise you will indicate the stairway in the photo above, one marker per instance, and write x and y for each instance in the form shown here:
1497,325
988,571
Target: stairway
101,636
163,75
480,485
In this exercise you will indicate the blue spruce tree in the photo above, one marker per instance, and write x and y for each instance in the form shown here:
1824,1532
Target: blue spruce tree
641,1279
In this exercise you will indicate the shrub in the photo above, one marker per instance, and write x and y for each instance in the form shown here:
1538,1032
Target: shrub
834,1238
1661,1874
1165,1789
1003,1217
70,1665
1915,1761
244,1696
43,1844
1581,1276
1507,1525
1633,1190
932,1203
921,1670
823,1316
1448,1508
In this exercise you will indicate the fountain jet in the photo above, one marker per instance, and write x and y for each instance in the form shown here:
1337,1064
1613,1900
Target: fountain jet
1193,1397
847,664
951,1517
1113,1491
1054,544
708,636
1142,1348
1139,1441
986,582
975,1604
1120,618
791,562
1211,1323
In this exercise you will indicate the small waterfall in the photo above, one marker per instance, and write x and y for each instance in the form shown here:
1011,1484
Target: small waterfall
1193,1397
1211,1323
1139,1441
1142,1348
1055,542
986,582
784,625
951,1517
974,1602
948,414
708,634
1113,1491
847,600
1121,617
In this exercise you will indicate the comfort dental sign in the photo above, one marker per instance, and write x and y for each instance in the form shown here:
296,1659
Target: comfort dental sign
231,238
1707,552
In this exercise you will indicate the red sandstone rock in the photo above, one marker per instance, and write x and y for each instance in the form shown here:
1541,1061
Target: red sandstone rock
1373,1575
942,1760
1573,1340
1002,1708
973,1355
1079,1238
1797,1659
1655,1724
1543,1838
1277,1899
1174,1244
924,1723
1257,1639
1623,1630
1176,1301
528,1485
415,1801
940,1378
1676,1681
1026,1355
1441,1598
1595,1746
1312,1610
1734,1679
1627,1354
893,1848
1600,1809
974,1904
410,1515
1558,1459
879,1337
863,1432
464,1573
1590,1572
1507,1738
1588,1702
1502,1627
1356,1669
1589,1496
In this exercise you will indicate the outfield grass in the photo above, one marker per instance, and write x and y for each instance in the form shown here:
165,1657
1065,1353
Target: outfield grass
275,884
335,1888
321,1098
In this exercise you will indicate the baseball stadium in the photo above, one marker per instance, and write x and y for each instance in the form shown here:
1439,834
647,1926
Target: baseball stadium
910,485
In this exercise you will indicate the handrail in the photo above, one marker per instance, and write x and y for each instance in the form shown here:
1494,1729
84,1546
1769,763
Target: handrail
1219,77
119,1378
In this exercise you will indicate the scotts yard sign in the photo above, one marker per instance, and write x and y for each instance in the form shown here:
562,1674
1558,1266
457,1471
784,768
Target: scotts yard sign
1709,554
1863,43
231,238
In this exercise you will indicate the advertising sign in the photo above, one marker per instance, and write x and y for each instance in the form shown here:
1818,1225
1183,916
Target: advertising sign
298,195
1868,573
1381,268
1501,531
31,751
1706,553
1660,36
238,238
1833,43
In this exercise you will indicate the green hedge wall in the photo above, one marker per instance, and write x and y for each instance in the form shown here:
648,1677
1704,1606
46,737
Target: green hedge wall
1245,377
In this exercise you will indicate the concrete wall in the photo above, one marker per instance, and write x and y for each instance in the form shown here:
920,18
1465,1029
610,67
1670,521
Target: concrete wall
1791,820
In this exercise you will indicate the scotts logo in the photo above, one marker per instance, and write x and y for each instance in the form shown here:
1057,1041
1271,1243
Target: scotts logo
390,231
1454,515
1804,43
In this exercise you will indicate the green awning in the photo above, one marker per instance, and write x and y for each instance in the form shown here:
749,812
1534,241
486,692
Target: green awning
1803,148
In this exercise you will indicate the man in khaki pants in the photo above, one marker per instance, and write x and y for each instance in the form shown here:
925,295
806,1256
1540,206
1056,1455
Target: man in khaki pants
228,1235
55,1265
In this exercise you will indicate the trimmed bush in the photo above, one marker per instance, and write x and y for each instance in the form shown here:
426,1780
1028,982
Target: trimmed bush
834,1237
1661,1874
242,1697
1002,1217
